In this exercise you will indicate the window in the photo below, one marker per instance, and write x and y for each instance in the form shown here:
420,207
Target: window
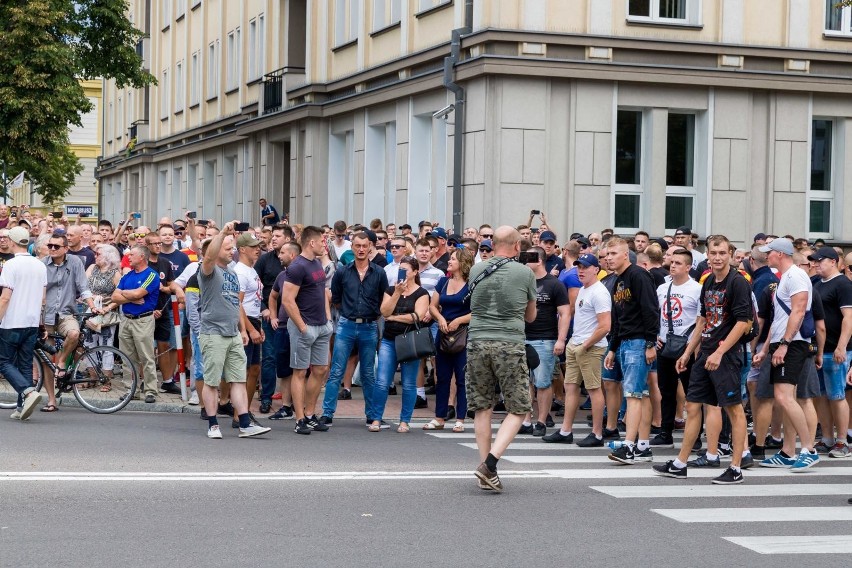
386,13
110,122
232,78
256,48
196,4
166,13
423,5
821,193
179,86
346,21
213,70
680,170
261,45
838,19
665,11
180,9
164,95
194,80
121,124
628,170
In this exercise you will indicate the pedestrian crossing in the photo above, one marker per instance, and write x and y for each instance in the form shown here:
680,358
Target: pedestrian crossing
743,513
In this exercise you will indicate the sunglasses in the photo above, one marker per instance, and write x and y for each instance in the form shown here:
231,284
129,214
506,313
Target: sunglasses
140,235
397,246
52,246
484,249
484,236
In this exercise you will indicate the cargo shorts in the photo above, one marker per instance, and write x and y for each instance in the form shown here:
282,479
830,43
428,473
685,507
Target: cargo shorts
493,363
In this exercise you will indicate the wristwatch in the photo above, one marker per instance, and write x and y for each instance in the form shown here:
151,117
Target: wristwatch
650,344
783,341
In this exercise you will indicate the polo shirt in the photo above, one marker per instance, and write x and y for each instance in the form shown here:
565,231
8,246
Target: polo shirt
133,280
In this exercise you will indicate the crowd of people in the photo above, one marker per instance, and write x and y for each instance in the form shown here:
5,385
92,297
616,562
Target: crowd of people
648,334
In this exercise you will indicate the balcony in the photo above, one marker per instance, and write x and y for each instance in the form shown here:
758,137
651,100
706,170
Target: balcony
275,86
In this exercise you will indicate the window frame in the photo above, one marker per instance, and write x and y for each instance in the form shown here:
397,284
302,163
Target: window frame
346,27
165,99
690,191
179,86
213,65
165,14
630,189
233,62
845,21
195,79
830,196
692,17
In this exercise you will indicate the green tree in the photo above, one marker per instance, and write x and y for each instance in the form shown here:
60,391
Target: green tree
46,47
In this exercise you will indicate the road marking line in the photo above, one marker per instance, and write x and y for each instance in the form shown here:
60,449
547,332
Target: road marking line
674,491
640,472
542,447
557,459
259,476
757,515
815,544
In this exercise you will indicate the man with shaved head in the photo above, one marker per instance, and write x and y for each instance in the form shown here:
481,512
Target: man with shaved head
503,299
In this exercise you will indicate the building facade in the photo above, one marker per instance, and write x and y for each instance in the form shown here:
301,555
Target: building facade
730,116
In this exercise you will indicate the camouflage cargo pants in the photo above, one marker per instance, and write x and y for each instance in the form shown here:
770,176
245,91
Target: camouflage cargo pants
490,363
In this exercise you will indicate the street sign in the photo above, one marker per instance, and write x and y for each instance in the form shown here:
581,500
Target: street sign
74,210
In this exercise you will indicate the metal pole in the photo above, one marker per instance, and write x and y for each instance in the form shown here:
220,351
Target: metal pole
5,186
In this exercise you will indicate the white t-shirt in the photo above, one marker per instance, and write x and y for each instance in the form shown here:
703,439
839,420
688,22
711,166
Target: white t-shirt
252,287
697,258
339,250
392,272
590,302
794,281
187,273
685,304
26,277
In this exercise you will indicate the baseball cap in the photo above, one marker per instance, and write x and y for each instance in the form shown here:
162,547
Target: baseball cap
683,231
371,235
486,243
662,242
782,245
575,236
823,252
19,236
584,242
547,236
759,237
439,232
587,260
247,240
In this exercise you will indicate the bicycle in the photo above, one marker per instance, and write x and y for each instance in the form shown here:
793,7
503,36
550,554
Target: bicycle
98,389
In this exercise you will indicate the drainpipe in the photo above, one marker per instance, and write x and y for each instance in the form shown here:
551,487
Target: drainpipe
458,134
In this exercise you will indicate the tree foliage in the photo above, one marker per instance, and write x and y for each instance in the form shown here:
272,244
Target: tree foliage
46,47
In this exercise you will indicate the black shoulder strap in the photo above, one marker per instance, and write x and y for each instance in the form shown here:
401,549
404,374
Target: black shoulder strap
669,308
485,274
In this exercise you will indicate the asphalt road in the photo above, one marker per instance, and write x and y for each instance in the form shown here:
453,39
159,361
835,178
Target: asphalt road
147,489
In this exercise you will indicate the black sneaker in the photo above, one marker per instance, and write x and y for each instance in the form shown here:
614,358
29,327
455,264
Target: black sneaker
848,439
451,413
204,414
392,390
265,407
623,455
226,409
315,424
773,444
345,394
757,452
539,429
643,455
561,412
725,452
611,434
591,441
170,388
284,413
525,429
747,462
622,427
431,390
549,421
421,402
557,438
302,427
702,461
557,405
669,469
662,440
656,430
327,420
728,477
489,477
752,439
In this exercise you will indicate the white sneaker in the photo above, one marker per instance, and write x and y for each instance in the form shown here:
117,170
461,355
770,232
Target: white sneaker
193,400
214,433
253,430
17,415
30,402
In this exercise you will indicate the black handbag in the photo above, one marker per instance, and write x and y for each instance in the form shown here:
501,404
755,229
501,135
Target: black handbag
675,345
414,344
454,342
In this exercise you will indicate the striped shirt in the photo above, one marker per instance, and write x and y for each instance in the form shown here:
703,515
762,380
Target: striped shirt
429,277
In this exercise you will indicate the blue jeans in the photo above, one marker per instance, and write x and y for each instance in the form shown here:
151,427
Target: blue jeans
197,363
634,368
16,359
387,367
543,374
349,334
833,377
268,362
447,365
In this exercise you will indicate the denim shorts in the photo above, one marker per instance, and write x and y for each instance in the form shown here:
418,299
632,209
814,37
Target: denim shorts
832,377
543,374
634,368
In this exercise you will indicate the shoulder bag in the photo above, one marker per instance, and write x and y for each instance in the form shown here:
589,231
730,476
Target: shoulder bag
675,345
453,342
414,344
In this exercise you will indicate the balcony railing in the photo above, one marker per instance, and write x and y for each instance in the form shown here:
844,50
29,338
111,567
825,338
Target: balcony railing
275,87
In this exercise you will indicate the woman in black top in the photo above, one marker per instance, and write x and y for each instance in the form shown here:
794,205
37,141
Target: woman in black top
404,304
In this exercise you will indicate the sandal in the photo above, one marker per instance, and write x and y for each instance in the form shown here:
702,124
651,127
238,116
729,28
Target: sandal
107,386
374,428
403,428
49,408
459,427
433,425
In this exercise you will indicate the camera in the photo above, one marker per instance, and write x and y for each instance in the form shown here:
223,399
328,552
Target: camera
190,214
444,112
535,212
241,227
528,256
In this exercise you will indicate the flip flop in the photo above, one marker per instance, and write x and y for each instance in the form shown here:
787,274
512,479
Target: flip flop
433,425
459,427
49,408
403,429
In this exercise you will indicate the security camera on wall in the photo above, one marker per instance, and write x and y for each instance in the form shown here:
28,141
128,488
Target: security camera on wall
444,112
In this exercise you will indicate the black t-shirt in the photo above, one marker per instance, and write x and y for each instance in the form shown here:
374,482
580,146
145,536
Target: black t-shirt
4,256
835,294
550,294
85,254
163,268
658,273
443,262
268,267
723,304
309,276
179,260
405,305
381,259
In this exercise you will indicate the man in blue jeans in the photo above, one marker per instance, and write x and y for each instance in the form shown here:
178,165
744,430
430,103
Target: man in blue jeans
635,327
24,279
357,289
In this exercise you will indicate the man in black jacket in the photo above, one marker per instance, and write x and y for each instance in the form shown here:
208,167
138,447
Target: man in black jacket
635,326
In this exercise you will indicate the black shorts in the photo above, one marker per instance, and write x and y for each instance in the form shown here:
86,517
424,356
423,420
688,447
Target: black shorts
163,327
253,349
720,387
793,370
808,388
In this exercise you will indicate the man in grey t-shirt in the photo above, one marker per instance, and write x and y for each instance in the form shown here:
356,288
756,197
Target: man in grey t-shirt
222,335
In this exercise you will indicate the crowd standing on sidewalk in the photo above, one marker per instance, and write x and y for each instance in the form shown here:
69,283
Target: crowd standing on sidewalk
748,348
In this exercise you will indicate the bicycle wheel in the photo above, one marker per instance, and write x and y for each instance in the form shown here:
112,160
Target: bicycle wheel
9,396
104,379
